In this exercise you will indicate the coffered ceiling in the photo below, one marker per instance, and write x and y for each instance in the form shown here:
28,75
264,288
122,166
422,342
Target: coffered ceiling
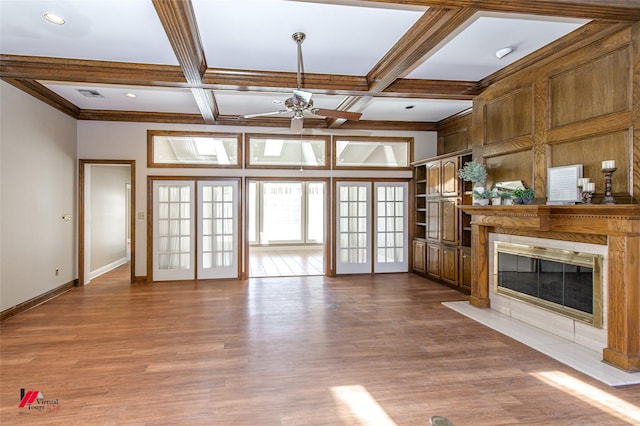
402,65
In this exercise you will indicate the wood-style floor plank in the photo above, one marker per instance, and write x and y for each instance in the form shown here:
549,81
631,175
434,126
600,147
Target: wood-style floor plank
280,351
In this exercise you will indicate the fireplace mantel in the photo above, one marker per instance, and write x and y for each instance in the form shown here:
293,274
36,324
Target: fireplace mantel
617,226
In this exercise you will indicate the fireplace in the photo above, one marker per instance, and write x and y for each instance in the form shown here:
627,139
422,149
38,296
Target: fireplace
613,229
566,282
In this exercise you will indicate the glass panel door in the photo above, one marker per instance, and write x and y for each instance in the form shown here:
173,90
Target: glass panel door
218,229
353,243
173,230
391,236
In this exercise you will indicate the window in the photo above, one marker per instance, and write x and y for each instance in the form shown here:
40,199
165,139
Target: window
287,151
193,149
286,212
372,153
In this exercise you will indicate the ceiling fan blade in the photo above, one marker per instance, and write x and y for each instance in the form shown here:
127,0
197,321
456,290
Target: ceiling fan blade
296,124
334,113
265,114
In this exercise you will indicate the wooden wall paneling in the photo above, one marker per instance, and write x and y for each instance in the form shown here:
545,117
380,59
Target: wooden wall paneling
590,89
590,152
603,124
509,116
540,149
454,134
635,96
511,166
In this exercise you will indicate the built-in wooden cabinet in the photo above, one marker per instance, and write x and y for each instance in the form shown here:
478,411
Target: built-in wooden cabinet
419,256
433,260
442,232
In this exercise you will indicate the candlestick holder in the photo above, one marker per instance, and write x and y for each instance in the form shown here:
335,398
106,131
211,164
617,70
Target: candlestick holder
587,196
608,194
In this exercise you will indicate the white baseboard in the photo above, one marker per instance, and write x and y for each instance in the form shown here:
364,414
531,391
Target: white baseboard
106,268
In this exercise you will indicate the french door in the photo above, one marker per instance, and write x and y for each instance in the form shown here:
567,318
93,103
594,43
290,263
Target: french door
195,236
371,225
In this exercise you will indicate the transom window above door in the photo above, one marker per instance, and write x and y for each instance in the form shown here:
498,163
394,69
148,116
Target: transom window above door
193,149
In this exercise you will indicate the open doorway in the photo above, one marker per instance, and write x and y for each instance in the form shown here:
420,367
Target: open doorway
286,227
106,226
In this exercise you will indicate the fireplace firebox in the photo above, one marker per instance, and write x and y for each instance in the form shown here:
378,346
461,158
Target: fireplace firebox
565,282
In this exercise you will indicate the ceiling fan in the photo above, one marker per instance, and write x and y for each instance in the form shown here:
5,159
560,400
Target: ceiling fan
301,101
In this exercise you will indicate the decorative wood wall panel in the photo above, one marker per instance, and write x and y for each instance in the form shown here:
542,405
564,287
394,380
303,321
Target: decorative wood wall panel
591,89
453,134
590,152
512,166
509,116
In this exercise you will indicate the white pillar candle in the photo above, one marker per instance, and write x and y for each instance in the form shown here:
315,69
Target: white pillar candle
582,182
609,164
591,187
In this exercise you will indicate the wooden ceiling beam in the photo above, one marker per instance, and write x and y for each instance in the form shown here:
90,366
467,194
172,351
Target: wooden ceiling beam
90,71
179,22
605,10
168,76
433,27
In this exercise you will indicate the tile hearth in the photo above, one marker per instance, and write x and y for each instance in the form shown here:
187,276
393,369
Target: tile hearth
572,354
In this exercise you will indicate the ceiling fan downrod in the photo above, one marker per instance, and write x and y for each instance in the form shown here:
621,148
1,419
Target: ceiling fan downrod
299,37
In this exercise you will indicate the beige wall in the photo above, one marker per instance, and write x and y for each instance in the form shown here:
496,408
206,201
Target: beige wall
37,186
128,141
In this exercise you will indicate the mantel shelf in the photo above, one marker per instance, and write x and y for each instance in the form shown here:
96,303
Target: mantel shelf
596,219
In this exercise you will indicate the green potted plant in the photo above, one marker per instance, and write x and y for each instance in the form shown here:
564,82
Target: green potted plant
523,195
506,199
473,171
482,197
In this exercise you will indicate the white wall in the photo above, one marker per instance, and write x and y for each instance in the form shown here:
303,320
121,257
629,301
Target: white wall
38,170
98,140
108,214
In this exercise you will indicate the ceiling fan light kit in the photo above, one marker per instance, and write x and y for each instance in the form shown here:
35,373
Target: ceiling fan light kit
301,102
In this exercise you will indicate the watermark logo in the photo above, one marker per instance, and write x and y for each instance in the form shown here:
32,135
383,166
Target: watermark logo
34,400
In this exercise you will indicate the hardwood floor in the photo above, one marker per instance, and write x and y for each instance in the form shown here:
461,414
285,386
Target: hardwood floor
286,261
284,351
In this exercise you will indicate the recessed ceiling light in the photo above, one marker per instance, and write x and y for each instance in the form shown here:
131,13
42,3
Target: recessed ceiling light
409,107
501,53
53,18
131,95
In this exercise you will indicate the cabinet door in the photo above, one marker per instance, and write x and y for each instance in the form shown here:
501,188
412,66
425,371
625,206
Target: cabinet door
465,268
419,256
449,221
450,264
433,260
433,179
433,220
449,177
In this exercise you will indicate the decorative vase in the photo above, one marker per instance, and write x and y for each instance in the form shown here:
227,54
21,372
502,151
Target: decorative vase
496,201
482,202
507,202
